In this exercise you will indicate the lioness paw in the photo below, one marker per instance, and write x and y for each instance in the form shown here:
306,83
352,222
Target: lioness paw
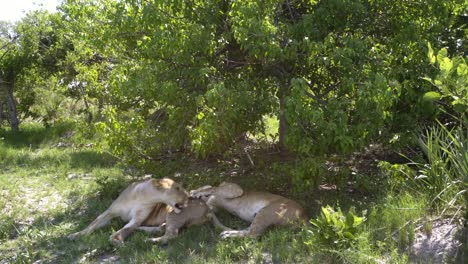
159,240
233,233
114,239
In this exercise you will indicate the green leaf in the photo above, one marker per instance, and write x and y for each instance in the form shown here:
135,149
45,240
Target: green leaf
430,54
441,55
326,213
314,222
349,235
459,106
358,220
200,116
446,64
349,219
462,70
431,96
428,79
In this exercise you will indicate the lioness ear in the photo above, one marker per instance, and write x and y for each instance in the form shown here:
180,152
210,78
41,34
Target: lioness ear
164,183
231,190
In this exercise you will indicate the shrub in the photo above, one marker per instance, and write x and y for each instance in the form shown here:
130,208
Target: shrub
308,173
451,82
335,229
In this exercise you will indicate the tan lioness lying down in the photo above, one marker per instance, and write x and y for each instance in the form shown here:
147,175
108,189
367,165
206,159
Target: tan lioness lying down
135,204
262,209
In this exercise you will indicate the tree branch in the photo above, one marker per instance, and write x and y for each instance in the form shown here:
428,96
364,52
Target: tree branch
316,98
319,96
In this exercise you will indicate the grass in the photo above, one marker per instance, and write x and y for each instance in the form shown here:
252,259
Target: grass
53,185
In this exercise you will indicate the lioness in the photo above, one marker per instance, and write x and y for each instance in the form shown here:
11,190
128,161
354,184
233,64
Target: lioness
262,209
135,204
196,212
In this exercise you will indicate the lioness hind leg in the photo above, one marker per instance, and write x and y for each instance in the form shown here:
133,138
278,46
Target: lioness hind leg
266,217
151,229
102,220
217,223
170,234
118,237
174,222
139,216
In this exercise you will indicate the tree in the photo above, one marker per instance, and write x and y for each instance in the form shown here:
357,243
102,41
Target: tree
198,75
8,61
33,64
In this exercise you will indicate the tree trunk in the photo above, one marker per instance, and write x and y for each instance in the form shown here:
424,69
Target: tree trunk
283,92
1,111
89,118
14,122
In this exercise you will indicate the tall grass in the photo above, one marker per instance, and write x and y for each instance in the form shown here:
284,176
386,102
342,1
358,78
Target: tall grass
445,176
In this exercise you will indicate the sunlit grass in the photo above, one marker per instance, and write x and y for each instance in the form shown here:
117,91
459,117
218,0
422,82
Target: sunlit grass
48,192
269,131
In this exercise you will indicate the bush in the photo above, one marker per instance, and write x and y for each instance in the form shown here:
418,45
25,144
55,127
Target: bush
451,83
308,173
335,229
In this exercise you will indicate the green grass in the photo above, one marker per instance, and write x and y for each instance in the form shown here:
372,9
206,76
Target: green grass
269,132
49,191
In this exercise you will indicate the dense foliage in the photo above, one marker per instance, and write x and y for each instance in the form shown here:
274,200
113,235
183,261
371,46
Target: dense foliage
199,75
157,77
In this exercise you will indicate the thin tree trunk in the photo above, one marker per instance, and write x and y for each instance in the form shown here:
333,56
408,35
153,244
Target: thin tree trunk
14,122
1,111
90,115
283,92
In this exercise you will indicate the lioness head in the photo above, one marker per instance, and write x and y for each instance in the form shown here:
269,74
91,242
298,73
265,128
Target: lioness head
173,193
229,190
203,192
225,189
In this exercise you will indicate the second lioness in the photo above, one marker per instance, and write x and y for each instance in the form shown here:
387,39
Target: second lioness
196,212
135,204
262,209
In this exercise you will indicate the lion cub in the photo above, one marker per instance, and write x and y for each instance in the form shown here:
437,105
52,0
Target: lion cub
261,209
135,204
195,213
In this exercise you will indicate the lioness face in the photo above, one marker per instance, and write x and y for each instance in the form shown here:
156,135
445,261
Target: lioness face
174,194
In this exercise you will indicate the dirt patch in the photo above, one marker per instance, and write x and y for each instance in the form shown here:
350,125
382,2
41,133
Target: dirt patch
108,258
439,246
41,201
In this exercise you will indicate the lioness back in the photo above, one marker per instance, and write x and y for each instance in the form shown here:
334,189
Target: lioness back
251,203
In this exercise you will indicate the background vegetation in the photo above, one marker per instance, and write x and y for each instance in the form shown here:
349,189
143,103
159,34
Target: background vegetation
356,104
